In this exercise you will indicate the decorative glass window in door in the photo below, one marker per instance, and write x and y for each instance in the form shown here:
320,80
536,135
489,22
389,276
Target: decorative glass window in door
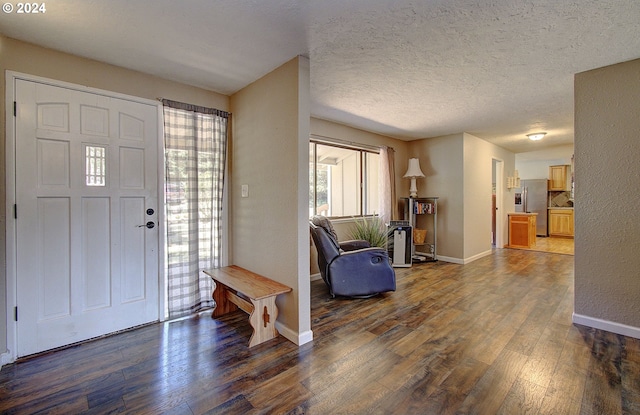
96,165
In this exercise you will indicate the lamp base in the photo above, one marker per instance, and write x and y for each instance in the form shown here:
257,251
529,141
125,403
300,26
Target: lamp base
413,190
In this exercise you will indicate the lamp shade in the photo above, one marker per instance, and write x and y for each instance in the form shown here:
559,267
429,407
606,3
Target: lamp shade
414,169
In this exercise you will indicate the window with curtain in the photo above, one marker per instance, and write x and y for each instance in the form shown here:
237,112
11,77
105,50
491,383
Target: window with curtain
343,180
195,150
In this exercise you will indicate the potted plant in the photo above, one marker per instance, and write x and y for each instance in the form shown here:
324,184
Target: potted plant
370,229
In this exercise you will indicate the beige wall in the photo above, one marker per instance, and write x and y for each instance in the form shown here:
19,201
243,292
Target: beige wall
442,162
458,170
607,168
270,154
478,183
34,60
477,190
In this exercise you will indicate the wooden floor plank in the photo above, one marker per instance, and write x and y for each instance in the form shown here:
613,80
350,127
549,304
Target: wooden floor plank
489,393
493,337
630,378
524,398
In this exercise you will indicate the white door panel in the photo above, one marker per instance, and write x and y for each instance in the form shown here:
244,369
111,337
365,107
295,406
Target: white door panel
86,173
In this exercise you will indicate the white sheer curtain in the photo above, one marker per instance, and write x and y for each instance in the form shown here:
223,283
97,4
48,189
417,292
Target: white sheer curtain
387,185
195,151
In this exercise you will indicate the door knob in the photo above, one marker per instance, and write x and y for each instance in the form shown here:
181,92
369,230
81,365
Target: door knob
148,225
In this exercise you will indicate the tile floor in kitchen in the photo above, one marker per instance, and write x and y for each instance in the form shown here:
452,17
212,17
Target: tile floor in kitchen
553,244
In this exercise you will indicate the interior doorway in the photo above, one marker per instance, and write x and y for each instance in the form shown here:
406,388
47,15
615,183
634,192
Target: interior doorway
497,211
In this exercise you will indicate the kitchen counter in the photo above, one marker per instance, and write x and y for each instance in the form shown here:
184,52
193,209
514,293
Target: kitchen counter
560,208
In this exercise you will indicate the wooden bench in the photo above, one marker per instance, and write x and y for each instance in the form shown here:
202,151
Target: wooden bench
236,287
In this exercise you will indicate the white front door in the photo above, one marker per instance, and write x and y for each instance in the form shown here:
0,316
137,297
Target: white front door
86,186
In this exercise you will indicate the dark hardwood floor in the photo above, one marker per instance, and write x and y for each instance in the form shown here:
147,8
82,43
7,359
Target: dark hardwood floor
490,337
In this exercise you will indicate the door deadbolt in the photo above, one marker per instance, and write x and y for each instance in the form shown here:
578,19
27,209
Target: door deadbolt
148,225
150,212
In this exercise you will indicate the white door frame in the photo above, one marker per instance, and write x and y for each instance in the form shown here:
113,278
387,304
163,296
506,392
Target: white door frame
11,259
500,214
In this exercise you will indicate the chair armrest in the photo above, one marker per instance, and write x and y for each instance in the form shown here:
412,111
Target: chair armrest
354,244
360,259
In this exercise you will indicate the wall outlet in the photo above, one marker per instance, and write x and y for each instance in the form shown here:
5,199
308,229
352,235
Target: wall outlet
245,190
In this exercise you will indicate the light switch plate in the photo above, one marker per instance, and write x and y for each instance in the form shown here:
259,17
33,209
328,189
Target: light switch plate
245,190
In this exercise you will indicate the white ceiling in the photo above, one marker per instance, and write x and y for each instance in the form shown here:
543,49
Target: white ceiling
497,69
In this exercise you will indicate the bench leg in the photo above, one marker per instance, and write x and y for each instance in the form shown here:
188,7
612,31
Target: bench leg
263,320
223,305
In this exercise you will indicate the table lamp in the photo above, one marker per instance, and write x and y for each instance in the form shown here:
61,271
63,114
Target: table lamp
413,172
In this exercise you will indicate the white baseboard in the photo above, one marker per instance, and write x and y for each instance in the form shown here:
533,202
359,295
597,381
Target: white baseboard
316,277
606,325
450,259
478,256
293,336
465,260
305,337
5,359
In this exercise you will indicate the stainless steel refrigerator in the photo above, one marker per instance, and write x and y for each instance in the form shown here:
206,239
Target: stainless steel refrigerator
533,194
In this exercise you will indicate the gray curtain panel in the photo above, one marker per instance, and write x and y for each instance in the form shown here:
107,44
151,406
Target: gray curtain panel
195,149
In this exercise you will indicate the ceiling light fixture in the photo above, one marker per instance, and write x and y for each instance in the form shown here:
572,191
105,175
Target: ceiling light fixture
536,136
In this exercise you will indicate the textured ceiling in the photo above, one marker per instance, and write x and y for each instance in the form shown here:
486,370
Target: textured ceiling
495,69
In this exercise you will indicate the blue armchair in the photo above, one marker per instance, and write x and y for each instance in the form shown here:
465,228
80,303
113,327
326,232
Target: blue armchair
350,268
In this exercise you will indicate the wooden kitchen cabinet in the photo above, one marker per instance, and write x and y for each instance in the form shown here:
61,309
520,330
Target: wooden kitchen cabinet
560,177
522,230
561,222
